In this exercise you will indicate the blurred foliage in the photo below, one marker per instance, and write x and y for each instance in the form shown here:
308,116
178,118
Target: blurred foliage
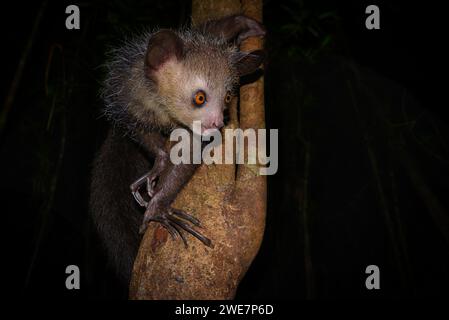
308,30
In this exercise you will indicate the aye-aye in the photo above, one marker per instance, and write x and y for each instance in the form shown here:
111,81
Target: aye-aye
156,83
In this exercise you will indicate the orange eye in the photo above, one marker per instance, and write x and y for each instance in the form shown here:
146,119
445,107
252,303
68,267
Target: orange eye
228,98
200,98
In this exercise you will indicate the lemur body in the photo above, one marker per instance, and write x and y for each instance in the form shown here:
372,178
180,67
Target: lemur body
161,81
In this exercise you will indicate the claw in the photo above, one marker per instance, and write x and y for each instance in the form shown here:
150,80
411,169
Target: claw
151,184
181,234
187,217
142,228
189,229
175,226
150,187
150,178
135,186
172,230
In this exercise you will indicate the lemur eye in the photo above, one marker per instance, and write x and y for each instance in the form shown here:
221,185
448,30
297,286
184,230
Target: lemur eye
199,98
228,97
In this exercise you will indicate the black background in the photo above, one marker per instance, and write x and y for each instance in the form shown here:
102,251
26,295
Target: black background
54,128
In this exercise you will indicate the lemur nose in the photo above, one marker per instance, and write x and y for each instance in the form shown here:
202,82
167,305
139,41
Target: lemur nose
218,123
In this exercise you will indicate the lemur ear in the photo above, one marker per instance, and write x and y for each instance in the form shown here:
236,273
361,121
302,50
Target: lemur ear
236,27
162,46
249,28
248,62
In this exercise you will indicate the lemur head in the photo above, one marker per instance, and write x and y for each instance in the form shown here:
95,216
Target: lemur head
194,75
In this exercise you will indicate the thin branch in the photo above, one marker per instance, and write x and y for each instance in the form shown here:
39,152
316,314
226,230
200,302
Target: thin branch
20,68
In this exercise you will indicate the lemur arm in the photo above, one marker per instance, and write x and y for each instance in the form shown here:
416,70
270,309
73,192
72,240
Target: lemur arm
164,181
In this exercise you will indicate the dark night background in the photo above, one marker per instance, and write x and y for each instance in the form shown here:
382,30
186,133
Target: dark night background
364,155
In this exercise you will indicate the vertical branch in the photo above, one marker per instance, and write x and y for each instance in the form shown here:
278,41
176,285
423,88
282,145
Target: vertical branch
430,200
379,186
46,211
232,208
20,67
203,10
303,205
401,232
308,266
252,111
251,187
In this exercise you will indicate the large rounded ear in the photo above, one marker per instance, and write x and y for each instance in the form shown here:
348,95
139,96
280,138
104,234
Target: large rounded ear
236,27
247,62
162,46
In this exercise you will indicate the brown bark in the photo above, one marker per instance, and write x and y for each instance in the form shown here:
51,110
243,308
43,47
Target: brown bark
230,201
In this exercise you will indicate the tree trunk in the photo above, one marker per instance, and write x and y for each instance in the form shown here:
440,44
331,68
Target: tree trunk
230,201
